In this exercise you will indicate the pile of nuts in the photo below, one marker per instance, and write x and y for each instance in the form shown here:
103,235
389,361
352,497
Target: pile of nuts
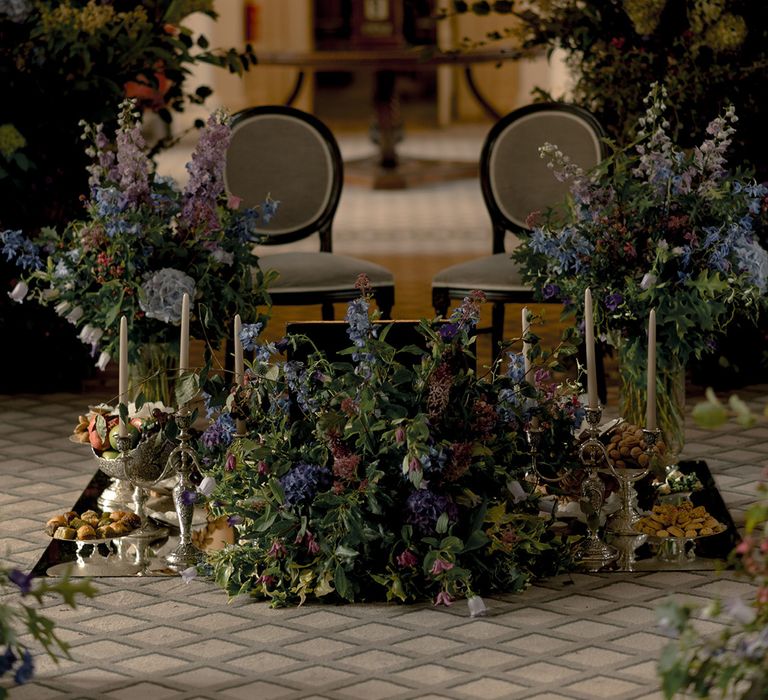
627,448
681,520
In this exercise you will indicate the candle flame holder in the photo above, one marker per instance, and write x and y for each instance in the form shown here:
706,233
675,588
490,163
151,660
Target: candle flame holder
592,553
182,460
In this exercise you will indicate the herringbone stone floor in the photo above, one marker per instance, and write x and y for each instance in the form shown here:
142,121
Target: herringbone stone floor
574,637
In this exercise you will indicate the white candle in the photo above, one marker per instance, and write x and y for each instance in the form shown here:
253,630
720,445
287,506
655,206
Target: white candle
526,345
123,376
239,369
589,341
184,342
650,409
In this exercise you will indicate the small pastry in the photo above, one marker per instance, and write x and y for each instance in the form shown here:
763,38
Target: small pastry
65,533
77,523
86,532
54,524
120,529
91,517
117,515
70,514
131,520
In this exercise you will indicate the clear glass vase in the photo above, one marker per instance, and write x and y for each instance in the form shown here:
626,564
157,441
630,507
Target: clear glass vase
670,397
151,374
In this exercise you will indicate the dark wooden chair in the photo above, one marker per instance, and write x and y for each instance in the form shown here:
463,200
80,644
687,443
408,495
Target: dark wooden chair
293,156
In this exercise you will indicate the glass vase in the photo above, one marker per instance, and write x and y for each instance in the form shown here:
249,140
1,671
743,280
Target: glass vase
670,397
151,374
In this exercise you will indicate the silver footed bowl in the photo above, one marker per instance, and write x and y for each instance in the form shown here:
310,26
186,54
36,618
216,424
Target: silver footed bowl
144,465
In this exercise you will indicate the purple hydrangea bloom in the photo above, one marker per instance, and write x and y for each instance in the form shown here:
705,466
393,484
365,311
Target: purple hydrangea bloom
550,291
447,331
220,432
303,482
424,507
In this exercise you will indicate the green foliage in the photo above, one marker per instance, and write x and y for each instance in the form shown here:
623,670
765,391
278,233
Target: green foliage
398,475
66,61
16,617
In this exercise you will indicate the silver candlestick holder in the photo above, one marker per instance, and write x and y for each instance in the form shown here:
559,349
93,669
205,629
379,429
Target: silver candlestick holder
622,524
183,459
592,553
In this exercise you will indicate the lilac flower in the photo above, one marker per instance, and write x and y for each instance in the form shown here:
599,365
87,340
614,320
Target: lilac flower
206,176
249,332
277,550
448,331
614,301
303,482
162,292
12,242
566,249
233,520
22,580
424,507
17,246
133,165
359,326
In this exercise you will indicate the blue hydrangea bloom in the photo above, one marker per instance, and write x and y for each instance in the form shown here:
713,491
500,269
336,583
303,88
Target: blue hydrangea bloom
516,367
303,482
248,335
220,432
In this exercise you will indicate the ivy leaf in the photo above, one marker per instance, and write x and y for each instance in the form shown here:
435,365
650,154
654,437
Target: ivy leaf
187,388
341,582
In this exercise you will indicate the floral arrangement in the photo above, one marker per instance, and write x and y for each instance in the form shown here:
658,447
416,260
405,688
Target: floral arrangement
142,244
16,656
654,227
709,53
85,57
400,474
732,662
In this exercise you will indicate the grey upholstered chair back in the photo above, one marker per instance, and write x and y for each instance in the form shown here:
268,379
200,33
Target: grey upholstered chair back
291,156
516,180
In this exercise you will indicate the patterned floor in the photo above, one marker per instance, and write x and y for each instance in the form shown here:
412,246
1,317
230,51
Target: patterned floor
575,637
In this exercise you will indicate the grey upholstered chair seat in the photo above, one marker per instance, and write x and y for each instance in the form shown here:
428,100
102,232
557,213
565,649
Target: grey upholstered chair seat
302,272
492,273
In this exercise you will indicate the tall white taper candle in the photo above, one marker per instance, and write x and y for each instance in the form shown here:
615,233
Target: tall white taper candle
184,341
589,341
239,368
650,409
526,345
123,376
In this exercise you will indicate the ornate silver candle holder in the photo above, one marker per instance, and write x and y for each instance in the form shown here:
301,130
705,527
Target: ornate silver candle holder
142,466
592,553
183,459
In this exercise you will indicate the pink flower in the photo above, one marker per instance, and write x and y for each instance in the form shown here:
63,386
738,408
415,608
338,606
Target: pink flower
406,559
231,462
277,550
233,201
441,565
400,435
267,580
414,465
311,543
744,546
443,598
262,468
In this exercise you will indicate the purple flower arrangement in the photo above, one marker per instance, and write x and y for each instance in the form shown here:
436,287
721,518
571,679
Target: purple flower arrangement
656,227
385,478
143,243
